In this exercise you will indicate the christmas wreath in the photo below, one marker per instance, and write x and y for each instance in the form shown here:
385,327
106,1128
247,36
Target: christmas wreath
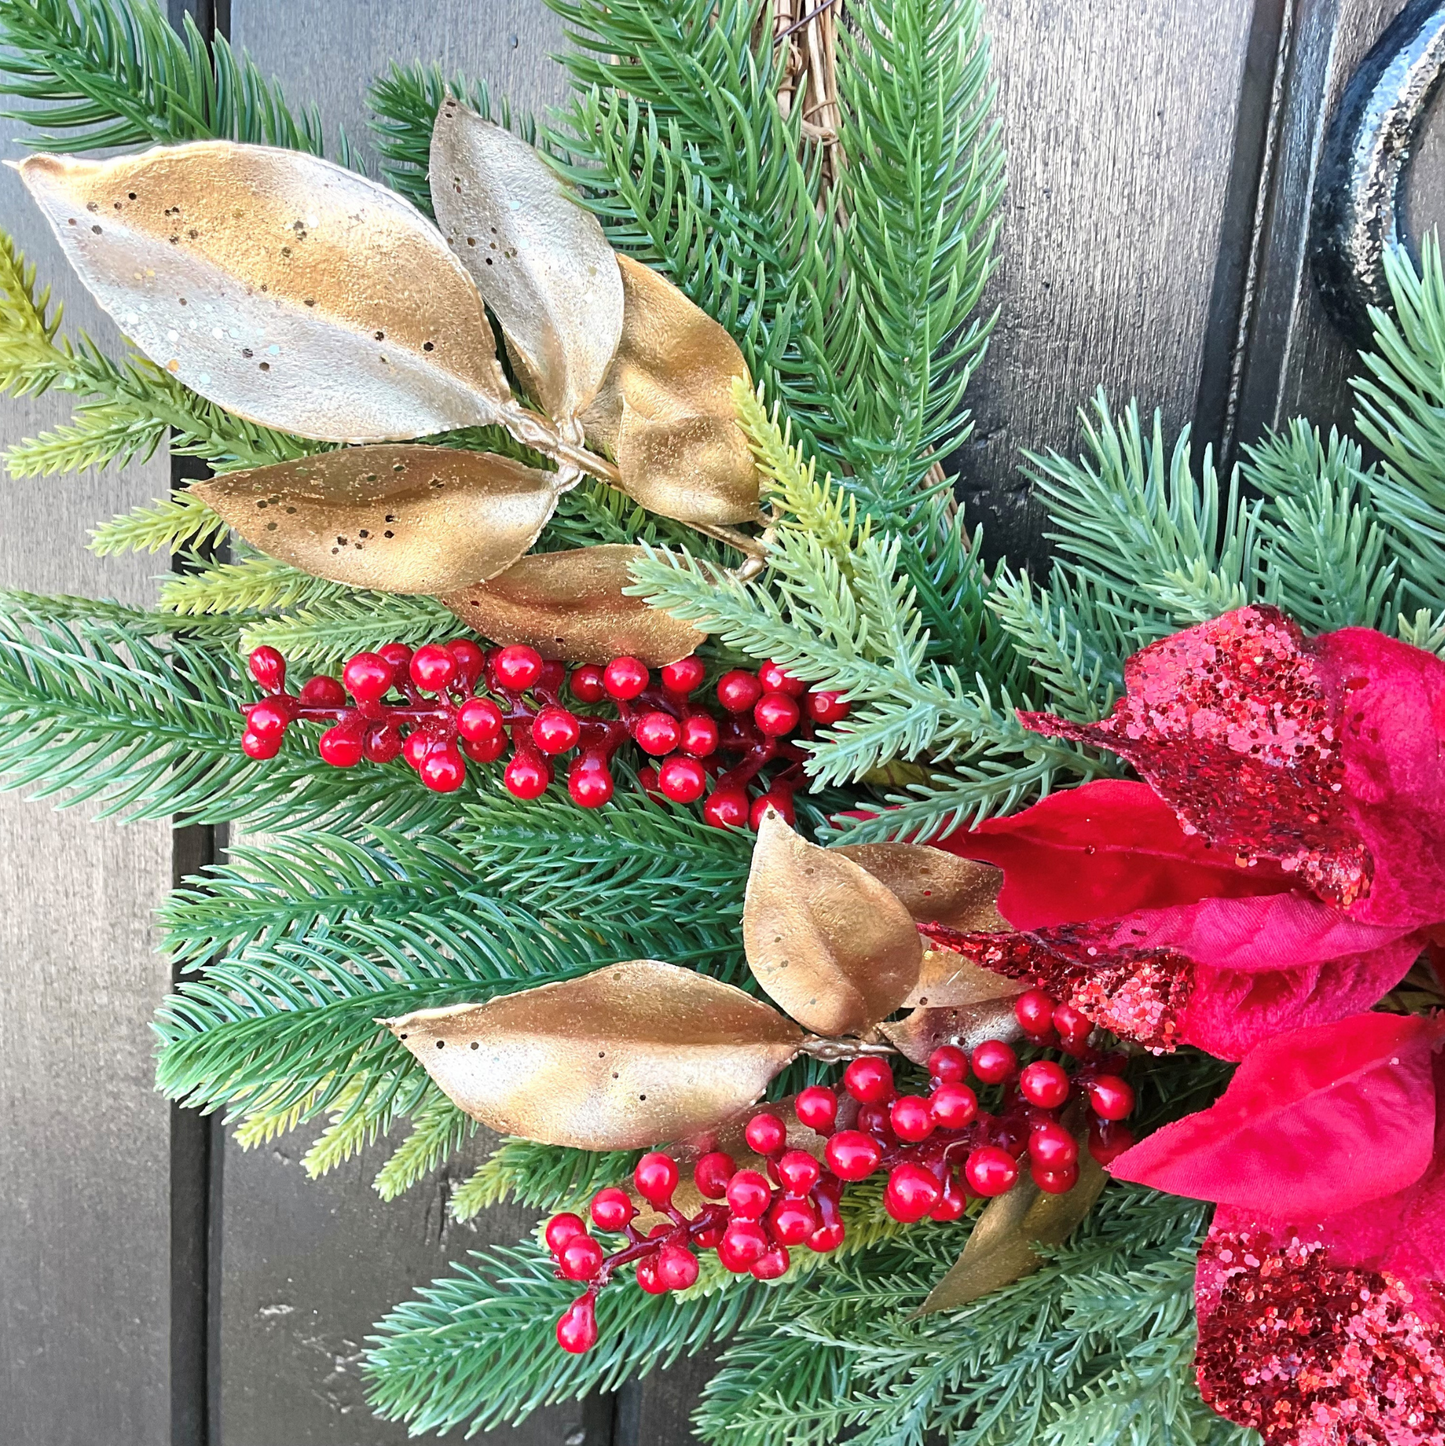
877,960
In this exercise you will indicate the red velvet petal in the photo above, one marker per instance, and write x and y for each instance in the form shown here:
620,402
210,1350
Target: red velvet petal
1103,850
1234,726
1315,1121
1393,739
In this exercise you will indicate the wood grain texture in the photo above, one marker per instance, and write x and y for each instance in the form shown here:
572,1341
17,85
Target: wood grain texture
1119,123
84,1149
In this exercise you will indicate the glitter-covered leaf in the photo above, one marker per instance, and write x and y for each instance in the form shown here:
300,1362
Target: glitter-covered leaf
1315,1121
935,887
666,410
398,518
540,261
1000,1246
827,941
570,606
621,1058
291,291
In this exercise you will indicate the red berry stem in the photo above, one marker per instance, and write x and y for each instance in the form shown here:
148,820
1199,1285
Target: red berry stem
940,1151
458,703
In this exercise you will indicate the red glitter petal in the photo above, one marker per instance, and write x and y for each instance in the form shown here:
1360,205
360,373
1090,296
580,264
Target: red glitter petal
1137,994
1231,723
1311,1352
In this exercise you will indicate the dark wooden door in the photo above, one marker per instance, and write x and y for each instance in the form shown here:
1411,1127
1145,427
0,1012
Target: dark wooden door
157,1283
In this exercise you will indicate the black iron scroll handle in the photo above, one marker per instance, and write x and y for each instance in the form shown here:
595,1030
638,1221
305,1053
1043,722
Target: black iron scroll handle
1359,194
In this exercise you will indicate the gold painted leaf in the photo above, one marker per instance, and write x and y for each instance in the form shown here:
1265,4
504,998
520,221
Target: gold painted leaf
999,1250
630,1055
666,410
286,289
539,260
570,606
825,939
399,518
934,886
980,1007
946,978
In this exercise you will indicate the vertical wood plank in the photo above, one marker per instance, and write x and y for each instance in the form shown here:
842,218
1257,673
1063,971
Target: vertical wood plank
307,1267
84,1204
1119,123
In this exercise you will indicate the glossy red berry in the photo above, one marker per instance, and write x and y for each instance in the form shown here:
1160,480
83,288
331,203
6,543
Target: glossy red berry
1107,1141
268,668
712,1173
738,691
268,718
772,1265
798,1172
382,744
1044,1084
776,679
1055,1182
554,674
589,781
1051,1146
485,750
911,1192
869,1080
562,1228
517,667
991,1171
479,719
1034,1011
577,1329
657,733
952,1202
954,1106
948,1062
726,808
255,746
874,1120
647,1276
323,691
1110,1097
748,1194
699,736
418,744
816,1107
710,1234
432,668
744,1243
397,657
684,676
676,1267
765,1134
367,677
994,1062
792,1220
470,660
912,1119
625,678
555,730
656,1177
341,746
827,1237
782,803
612,1208
586,684
683,780
526,776
1073,1025
852,1155
776,714
826,707
442,770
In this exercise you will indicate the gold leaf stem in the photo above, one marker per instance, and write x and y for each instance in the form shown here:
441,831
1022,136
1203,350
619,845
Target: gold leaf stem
835,1051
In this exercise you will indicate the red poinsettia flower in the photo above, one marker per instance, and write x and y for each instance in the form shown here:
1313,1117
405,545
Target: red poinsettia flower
1321,1283
1283,863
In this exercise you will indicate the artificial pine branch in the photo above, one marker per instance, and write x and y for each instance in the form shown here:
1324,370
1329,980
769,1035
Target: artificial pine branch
546,1177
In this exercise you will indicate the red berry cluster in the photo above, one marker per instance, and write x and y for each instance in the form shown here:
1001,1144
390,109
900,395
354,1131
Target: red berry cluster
458,702
940,1150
